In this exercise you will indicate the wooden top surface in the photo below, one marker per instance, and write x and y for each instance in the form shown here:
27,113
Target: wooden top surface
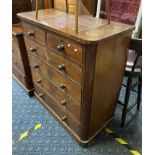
17,29
91,30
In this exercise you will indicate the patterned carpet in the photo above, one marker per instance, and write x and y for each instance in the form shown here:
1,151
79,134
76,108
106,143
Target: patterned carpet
51,139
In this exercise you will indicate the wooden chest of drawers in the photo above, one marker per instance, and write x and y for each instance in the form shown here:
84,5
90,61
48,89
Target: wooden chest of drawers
20,65
77,77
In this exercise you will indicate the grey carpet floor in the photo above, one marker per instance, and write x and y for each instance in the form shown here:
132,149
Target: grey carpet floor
51,139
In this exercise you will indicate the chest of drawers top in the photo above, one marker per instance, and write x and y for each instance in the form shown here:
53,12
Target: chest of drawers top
91,30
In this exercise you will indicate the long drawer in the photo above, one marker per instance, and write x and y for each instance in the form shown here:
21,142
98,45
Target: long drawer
63,99
57,78
59,62
35,33
65,66
63,116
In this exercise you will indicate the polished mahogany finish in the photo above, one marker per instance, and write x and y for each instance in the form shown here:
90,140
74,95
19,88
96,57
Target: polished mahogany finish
20,65
80,74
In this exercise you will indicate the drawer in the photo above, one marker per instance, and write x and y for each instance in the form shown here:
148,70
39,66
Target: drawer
14,41
16,58
57,78
65,66
17,64
18,75
65,47
62,115
63,99
35,33
16,52
35,48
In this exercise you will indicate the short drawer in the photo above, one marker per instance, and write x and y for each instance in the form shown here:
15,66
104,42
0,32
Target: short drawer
65,66
62,115
35,33
65,47
63,99
57,78
18,75
35,48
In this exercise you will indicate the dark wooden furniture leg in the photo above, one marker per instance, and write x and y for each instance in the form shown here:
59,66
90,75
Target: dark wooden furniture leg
139,93
127,95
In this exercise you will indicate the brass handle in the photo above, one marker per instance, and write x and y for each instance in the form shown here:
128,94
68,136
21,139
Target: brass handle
36,66
30,34
38,81
41,95
61,67
32,49
63,102
63,118
60,47
62,86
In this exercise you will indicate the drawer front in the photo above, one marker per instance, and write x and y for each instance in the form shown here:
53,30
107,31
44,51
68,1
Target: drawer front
18,75
64,100
35,33
16,59
16,52
17,64
14,41
62,115
63,46
70,69
55,77
35,48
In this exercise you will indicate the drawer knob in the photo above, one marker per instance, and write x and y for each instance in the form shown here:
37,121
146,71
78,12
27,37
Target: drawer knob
32,49
38,81
30,34
60,47
63,102
61,67
41,95
36,66
62,86
63,118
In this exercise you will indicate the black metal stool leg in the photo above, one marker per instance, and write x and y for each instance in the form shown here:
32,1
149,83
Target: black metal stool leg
127,95
139,93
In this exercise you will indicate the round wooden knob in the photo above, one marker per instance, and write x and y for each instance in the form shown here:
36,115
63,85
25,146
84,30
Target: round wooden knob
63,102
38,81
41,95
60,47
61,67
32,49
63,118
62,86
36,66
30,34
